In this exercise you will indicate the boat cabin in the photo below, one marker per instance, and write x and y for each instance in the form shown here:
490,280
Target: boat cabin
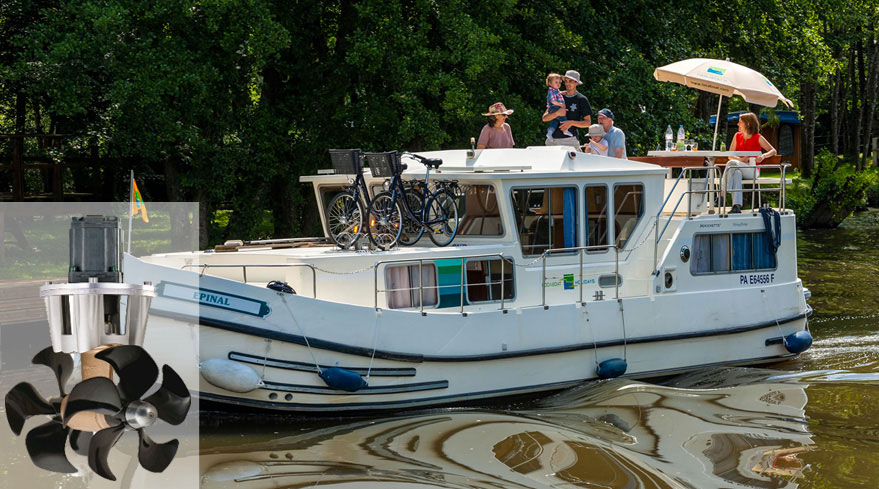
533,225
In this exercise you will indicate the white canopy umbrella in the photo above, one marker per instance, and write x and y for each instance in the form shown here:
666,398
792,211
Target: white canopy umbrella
723,78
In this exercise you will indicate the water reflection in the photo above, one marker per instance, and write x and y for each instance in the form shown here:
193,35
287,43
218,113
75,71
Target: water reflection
616,434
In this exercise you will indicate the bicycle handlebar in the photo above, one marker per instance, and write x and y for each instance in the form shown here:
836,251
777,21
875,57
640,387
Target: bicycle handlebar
430,162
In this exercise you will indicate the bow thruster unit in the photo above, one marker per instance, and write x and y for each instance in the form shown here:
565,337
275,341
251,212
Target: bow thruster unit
102,319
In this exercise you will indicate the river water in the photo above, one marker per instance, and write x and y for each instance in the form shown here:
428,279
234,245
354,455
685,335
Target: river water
812,422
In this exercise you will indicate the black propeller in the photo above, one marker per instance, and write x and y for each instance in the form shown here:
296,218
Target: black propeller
137,373
45,443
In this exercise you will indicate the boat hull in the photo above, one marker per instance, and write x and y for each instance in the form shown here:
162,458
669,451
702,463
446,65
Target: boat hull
410,360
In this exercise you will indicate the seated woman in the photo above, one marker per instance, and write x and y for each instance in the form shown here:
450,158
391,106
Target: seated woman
747,139
497,133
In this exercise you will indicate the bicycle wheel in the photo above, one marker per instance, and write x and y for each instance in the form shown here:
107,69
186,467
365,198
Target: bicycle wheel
344,219
442,217
385,221
412,228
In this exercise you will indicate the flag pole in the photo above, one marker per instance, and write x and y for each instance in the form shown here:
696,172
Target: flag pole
130,213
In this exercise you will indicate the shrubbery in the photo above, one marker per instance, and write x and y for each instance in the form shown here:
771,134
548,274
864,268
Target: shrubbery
834,191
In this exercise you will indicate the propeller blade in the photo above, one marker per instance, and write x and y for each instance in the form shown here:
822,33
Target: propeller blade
79,441
98,394
100,447
45,444
136,369
22,402
153,456
172,400
60,363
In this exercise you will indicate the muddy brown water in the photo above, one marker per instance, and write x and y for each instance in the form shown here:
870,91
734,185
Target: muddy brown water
811,422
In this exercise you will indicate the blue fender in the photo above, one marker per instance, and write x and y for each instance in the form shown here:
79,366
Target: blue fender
798,342
611,368
342,379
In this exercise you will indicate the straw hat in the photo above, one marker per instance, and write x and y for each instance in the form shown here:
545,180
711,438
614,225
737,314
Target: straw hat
498,109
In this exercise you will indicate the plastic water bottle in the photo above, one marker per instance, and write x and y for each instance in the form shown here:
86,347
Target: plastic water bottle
669,135
681,136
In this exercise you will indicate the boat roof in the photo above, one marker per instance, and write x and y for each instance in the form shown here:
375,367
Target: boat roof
526,163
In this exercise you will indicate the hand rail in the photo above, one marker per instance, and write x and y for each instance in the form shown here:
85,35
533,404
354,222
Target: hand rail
711,192
580,250
205,266
421,261
781,183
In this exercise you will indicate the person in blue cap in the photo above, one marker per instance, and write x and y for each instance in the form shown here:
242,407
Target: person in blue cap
616,138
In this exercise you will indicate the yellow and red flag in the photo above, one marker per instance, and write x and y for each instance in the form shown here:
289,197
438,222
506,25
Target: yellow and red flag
137,204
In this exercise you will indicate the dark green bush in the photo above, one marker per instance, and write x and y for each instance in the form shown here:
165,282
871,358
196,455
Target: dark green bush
835,190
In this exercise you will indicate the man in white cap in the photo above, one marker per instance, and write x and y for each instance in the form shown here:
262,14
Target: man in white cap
577,110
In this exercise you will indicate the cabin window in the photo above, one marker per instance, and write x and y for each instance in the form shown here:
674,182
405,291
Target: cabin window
731,252
405,289
628,204
479,212
546,218
486,278
596,215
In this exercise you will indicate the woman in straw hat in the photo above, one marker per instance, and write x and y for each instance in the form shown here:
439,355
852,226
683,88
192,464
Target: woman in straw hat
497,133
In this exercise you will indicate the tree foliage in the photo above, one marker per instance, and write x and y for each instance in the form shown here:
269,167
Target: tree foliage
228,102
831,193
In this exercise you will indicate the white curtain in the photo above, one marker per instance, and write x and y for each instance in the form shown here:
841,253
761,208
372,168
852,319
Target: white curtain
401,283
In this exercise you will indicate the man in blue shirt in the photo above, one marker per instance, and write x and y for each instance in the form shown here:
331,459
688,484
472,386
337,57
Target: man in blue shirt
616,138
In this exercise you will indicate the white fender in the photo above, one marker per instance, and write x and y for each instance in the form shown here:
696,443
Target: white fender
229,375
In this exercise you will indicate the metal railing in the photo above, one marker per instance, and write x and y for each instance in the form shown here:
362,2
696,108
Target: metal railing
205,266
710,191
421,287
753,181
580,250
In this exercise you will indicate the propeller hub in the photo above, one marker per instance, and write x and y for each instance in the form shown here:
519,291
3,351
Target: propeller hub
140,414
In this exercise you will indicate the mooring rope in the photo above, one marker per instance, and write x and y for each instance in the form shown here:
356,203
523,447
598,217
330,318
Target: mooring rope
374,344
299,328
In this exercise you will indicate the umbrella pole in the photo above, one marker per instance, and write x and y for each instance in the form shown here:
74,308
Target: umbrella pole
716,123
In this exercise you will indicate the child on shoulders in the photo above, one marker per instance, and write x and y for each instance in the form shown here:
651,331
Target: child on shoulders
554,102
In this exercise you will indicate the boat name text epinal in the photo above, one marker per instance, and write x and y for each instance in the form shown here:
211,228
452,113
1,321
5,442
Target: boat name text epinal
206,297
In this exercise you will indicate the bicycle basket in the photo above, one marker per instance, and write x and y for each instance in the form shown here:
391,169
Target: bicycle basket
384,165
346,161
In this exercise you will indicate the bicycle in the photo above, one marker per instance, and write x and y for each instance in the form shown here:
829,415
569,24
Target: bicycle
346,210
390,215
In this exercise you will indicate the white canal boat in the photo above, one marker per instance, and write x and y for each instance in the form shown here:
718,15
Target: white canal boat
566,267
